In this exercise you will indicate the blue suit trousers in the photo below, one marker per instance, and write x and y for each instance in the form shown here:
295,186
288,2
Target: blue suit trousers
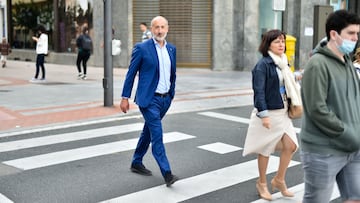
153,133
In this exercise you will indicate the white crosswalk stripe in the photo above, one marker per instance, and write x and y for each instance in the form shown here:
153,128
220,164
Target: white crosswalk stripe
64,126
220,148
54,158
68,137
231,118
4,199
201,184
225,117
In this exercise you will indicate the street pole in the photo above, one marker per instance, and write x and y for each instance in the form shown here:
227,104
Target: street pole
108,65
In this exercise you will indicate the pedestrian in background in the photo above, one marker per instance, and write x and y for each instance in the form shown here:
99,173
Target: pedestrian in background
146,34
330,139
321,43
155,61
5,51
41,51
270,128
84,44
115,44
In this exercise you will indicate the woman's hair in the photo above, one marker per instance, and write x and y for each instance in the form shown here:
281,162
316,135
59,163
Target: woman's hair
85,29
41,28
357,55
267,38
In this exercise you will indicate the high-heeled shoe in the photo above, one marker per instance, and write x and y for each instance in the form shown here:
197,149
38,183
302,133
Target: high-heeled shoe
281,186
263,190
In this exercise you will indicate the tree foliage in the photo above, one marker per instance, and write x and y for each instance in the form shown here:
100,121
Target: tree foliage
25,15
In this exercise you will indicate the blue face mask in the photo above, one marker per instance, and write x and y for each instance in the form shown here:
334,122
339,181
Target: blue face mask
347,46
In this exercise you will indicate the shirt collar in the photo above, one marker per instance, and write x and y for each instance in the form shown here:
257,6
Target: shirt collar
157,43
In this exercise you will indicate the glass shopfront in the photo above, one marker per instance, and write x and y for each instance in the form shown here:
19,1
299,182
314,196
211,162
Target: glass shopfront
26,15
73,16
269,19
339,4
63,20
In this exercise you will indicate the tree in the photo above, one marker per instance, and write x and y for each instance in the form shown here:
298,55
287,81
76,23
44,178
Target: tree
25,15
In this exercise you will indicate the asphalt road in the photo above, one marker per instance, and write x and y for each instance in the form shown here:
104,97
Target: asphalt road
89,162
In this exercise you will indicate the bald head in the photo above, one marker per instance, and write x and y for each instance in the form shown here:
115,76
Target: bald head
159,28
157,18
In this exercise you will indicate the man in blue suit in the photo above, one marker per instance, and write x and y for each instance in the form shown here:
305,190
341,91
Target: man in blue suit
155,62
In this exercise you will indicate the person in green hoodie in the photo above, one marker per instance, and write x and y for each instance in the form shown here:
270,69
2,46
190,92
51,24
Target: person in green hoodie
330,128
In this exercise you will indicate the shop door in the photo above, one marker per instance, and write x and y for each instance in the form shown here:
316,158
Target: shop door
190,28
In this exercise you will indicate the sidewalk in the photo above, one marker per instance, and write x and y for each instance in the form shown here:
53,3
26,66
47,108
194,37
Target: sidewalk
65,99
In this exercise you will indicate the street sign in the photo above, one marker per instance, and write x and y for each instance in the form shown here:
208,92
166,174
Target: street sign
278,5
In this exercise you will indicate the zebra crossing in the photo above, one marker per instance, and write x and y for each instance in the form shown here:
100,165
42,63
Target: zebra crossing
193,186
54,158
184,190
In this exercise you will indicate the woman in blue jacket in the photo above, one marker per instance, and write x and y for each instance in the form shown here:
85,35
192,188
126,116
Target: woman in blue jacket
270,128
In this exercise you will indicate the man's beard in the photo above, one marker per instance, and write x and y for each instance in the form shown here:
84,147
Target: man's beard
158,38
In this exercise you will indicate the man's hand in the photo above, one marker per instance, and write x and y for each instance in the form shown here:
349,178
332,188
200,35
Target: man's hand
124,105
266,122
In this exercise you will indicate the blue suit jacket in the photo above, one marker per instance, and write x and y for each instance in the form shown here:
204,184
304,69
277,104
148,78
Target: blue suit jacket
144,60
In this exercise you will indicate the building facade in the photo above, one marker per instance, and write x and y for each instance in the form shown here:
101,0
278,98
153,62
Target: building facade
214,34
3,19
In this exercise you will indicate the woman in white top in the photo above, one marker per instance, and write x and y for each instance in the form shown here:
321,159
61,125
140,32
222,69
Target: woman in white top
41,51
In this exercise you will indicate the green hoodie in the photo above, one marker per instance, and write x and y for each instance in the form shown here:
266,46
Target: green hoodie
331,98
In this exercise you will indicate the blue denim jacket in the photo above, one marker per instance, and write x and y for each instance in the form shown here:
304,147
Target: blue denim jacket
266,86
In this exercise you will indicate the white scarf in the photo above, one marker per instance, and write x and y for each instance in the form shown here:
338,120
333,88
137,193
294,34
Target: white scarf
292,88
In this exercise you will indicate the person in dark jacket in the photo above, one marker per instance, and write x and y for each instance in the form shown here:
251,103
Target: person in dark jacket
84,44
270,128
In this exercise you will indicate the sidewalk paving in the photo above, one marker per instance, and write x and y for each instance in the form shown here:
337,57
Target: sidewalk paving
65,99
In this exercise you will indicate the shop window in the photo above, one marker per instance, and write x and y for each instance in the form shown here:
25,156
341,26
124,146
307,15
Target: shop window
339,4
26,16
269,19
73,16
